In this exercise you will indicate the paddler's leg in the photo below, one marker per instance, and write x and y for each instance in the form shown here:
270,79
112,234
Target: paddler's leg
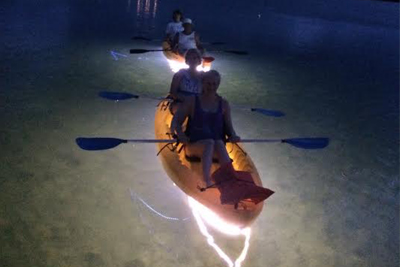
205,148
222,154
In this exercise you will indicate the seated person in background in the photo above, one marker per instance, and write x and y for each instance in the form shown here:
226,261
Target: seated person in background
187,39
187,82
175,26
208,113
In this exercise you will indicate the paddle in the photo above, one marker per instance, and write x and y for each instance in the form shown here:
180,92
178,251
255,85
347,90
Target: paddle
142,38
103,143
116,96
141,51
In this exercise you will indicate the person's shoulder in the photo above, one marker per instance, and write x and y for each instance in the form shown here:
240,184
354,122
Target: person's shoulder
180,73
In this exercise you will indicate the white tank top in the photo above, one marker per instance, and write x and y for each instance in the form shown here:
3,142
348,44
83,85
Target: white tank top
186,42
189,85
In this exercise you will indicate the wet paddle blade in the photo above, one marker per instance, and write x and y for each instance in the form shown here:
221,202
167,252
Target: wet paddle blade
138,51
98,143
217,43
267,112
307,143
141,38
117,95
236,52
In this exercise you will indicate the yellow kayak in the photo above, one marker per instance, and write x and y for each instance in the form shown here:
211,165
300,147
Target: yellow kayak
175,57
187,174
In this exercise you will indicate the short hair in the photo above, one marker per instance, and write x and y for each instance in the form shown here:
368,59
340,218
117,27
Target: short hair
193,50
212,74
177,12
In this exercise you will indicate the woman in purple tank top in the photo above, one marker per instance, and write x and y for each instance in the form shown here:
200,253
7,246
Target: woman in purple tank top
209,121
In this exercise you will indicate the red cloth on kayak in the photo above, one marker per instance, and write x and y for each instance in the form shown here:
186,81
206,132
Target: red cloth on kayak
236,186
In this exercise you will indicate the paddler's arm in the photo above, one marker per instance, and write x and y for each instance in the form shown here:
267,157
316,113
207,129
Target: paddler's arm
232,137
168,34
184,110
175,41
176,81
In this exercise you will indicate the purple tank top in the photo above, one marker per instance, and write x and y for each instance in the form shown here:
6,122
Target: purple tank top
206,125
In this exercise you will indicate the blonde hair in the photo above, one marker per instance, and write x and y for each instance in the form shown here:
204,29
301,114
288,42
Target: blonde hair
212,74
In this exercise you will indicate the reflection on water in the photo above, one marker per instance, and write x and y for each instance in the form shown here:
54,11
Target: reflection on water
146,11
146,8
204,215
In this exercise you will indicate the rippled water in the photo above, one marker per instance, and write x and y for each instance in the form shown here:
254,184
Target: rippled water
331,67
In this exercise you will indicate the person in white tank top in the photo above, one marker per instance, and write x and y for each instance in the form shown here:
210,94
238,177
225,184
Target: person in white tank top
187,39
175,26
186,82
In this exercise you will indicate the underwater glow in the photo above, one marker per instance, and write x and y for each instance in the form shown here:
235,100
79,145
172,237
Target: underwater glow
133,196
176,66
203,214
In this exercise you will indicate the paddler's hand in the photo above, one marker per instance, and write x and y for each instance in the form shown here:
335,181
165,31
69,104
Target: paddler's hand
182,138
234,139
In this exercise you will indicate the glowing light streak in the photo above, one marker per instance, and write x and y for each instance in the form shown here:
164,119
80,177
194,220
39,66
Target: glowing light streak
139,3
200,212
128,6
115,55
133,195
147,7
155,8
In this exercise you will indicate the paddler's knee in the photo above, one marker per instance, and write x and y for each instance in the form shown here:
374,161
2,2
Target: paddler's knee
208,143
219,143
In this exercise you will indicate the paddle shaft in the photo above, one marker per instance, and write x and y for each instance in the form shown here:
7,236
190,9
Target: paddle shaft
174,141
141,51
124,96
103,143
159,40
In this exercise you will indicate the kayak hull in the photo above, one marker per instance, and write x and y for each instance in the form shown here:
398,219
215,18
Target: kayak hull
187,175
178,58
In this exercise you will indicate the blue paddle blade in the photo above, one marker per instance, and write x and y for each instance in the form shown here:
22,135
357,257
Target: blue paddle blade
117,95
98,143
273,113
217,43
141,38
308,143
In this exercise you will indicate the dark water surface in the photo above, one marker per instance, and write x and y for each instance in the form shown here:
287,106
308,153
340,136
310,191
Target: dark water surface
331,67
